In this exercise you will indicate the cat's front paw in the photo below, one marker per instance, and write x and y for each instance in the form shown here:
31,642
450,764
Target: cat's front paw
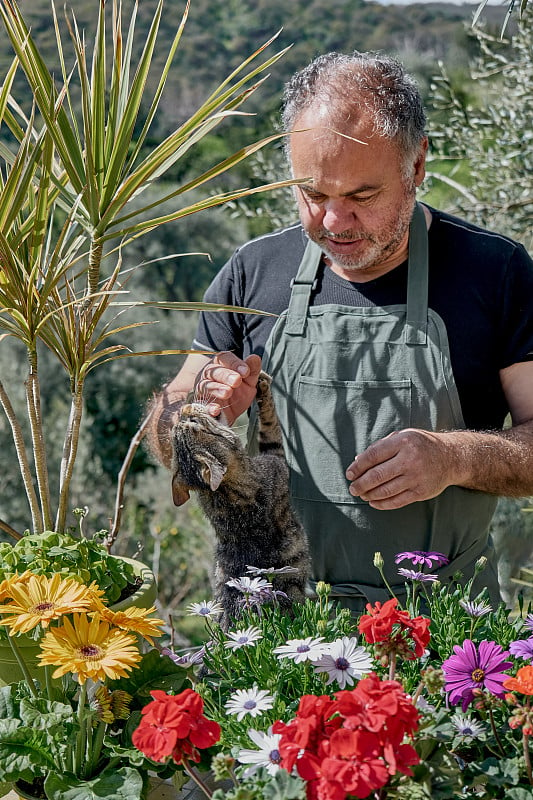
263,386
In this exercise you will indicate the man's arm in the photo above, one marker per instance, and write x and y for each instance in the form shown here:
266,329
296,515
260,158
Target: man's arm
223,381
412,465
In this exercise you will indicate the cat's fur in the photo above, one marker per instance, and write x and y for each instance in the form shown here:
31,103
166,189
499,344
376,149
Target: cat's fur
246,498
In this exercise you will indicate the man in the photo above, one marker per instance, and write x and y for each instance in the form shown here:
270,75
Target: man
402,339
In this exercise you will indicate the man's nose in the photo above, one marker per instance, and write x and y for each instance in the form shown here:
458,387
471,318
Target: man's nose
338,216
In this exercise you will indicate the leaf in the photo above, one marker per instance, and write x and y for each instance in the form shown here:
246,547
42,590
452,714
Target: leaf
24,752
154,671
121,784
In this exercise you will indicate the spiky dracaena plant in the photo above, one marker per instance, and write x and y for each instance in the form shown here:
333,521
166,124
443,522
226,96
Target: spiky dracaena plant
82,156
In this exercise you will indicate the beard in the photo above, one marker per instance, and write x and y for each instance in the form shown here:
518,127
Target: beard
378,247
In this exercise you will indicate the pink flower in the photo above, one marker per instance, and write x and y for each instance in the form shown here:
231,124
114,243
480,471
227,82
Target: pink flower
471,668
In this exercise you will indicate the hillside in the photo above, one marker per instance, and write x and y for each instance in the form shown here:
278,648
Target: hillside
220,33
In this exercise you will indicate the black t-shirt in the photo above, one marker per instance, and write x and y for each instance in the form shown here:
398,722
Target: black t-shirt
480,283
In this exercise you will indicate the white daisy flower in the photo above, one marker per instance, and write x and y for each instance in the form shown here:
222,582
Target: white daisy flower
466,726
343,661
267,756
243,638
300,650
248,585
249,701
476,609
206,608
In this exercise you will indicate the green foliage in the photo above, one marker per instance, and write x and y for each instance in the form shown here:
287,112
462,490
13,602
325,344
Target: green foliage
280,786
488,136
52,553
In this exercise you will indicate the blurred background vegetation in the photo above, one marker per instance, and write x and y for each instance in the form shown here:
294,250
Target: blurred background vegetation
478,90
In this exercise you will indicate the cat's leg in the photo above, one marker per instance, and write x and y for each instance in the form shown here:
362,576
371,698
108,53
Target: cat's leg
270,440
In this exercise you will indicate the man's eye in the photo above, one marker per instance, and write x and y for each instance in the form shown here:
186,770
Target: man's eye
317,196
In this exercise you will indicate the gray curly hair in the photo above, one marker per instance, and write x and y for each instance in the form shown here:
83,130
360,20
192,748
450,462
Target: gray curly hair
351,84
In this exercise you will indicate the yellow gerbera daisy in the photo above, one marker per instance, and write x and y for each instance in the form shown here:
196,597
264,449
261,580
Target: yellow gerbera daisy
38,599
7,583
89,648
134,619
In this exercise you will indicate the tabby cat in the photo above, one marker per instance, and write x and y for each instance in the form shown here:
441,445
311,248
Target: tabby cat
246,499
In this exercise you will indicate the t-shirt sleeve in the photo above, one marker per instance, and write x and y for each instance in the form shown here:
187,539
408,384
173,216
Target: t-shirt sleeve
221,330
517,322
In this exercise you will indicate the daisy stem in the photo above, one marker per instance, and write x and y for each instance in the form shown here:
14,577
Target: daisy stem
495,732
527,757
385,581
22,664
96,748
48,681
196,778
81,740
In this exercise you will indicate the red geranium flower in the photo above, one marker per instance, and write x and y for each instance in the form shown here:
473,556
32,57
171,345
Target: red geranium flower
174,725
394,630
353,744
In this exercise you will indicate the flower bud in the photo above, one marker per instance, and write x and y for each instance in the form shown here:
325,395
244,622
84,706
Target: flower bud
323,589
481,563
378,560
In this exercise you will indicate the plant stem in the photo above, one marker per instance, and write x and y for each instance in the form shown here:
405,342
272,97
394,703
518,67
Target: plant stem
70,450
392,665
24,464
527,757
81,740
22,664
119,498
33,400
96,749
196,778
495,732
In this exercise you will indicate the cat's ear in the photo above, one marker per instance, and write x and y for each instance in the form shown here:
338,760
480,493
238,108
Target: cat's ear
211,470
180,492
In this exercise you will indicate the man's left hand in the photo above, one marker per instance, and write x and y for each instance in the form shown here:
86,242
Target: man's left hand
405,467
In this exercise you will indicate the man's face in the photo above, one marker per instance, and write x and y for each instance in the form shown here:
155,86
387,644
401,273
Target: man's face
356,202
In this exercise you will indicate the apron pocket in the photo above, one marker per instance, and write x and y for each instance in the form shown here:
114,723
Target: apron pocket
337,420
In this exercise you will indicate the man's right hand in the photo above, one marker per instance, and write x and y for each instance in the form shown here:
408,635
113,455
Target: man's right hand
228,384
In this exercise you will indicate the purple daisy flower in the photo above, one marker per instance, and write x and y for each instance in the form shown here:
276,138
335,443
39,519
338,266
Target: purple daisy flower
522,648
475,668
413,575
528,622
427,559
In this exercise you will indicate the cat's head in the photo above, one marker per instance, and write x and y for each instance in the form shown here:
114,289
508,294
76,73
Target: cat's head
204,448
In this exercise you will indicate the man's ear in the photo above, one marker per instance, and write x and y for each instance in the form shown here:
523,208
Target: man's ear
211,470
180,492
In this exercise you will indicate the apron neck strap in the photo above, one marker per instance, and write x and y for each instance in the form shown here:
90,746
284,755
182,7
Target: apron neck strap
416,322
415,331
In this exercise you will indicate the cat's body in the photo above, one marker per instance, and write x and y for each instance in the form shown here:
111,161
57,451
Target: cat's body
246,499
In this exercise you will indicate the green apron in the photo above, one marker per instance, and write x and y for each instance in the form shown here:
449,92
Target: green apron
344,377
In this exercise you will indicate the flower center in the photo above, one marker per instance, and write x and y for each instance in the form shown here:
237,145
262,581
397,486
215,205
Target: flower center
478,675
342,663
41,608
242,639
274,756
302,648
90,651
249,704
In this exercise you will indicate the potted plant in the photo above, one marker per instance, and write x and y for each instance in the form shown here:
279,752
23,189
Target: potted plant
77,154
393,705
70,733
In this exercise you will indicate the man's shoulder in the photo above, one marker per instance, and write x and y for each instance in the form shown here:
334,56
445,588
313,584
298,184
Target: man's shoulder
286,243
458,230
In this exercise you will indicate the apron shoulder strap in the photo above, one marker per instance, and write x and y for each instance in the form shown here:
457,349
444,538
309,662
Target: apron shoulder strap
302,286
416,322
